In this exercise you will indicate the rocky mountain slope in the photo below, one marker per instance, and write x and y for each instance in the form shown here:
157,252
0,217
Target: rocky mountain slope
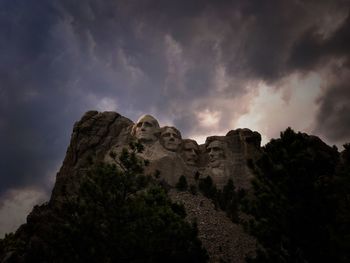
226,178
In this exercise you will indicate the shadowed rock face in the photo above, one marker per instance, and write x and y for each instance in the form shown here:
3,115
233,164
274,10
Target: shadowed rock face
231,156
170,138
146,129
190,152
216,153
97,134
221,157
92,137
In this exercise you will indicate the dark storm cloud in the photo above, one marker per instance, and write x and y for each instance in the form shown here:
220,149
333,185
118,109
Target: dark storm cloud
26,127
311,52
169,58
333,118
312,48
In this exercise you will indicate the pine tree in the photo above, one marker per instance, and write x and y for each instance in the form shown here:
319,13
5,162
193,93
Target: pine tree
119,215
182,185
294,199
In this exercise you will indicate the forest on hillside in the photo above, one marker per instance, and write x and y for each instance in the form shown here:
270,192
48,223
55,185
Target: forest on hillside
299,207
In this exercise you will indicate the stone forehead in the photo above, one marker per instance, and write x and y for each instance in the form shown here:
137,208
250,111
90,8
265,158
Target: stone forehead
220,139
190,144
170,128
215,143
148,118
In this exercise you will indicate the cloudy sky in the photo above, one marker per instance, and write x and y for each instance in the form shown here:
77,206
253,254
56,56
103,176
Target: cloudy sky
204,66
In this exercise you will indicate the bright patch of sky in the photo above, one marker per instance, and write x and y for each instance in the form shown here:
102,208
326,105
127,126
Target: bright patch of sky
276,108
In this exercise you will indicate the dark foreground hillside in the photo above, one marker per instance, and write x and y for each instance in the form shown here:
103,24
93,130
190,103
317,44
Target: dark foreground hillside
118,216
297,208
301,201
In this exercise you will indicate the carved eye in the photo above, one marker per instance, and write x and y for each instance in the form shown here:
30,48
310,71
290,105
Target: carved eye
190,150
148,124
166,134
139,124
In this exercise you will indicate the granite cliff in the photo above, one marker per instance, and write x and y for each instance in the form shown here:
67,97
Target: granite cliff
99,136
181,196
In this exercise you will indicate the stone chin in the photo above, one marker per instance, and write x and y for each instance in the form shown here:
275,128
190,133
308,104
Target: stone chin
146,137
191,162
171,146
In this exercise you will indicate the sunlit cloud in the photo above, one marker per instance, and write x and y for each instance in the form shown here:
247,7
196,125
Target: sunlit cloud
208,118
16,205
293,104
107,104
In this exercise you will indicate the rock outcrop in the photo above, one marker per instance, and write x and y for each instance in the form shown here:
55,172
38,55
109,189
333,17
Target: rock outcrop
97,135
92,137
221,157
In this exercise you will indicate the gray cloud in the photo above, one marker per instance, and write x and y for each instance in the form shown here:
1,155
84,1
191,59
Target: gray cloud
333,117
311,52
312,48
16,206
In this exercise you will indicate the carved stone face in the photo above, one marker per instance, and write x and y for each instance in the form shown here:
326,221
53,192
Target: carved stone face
191,153
216,153
171,139
146,128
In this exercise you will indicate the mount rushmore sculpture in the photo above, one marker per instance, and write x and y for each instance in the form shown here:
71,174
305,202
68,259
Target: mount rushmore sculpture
221,157
98,137
98,134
